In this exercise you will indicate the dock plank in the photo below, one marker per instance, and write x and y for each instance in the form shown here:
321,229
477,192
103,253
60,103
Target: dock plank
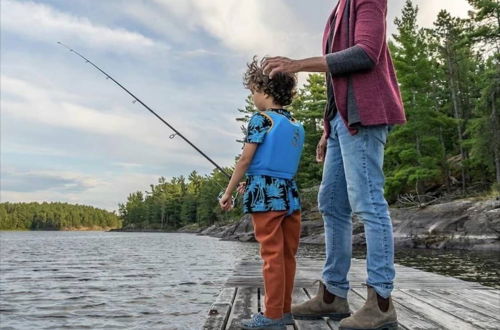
444,319
220,310
423,300
469,299
461,311
245,304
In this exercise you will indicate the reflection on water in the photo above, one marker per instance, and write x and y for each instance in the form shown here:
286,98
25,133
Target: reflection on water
99,280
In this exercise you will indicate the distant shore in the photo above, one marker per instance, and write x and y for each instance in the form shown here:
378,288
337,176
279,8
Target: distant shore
139,230
94,228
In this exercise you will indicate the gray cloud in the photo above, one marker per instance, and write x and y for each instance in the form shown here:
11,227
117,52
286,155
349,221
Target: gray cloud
32,182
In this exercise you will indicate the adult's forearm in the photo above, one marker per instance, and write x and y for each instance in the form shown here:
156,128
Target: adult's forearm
312,64
346,61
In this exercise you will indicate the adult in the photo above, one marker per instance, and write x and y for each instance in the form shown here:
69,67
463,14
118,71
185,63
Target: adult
363,103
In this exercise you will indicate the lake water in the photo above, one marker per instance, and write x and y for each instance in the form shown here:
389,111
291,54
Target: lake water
101,280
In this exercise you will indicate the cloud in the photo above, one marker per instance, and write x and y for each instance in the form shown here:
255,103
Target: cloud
35,181
38,123
102,190
247,26
44,23
428,10
30,102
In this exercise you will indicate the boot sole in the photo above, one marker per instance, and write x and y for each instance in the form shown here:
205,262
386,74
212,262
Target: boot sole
271,327
387,326
333,316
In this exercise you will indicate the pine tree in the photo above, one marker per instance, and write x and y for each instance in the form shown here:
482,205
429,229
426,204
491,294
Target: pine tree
246,113
308,108
485,128
416,151
459,66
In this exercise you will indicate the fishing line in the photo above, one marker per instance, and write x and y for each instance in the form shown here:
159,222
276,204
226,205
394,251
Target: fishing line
136,99
171,136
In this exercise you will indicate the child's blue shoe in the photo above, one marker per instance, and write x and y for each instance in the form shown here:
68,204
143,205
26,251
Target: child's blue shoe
259,321
288,319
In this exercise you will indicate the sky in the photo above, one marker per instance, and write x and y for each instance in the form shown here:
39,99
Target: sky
68,134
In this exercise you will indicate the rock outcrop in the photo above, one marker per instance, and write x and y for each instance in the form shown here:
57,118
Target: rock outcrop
461,224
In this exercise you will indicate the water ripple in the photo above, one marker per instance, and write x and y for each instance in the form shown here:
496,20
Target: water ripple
98,280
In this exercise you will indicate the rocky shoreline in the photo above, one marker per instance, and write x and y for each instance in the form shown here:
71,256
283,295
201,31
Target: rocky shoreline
467,224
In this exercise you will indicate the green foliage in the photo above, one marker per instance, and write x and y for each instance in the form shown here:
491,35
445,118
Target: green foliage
176,203
54,216
442,77
308,108
486,29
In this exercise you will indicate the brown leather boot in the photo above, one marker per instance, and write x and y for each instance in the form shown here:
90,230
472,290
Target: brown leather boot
319,307
370,316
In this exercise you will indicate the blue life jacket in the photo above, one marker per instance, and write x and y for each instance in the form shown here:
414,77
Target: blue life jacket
279,155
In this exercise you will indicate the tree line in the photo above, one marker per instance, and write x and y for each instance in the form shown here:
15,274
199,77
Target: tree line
54,216
449,77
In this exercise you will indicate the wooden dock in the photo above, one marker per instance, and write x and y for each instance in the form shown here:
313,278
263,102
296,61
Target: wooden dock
423,300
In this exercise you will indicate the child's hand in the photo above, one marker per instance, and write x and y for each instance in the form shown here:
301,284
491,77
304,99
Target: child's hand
241,188
226,202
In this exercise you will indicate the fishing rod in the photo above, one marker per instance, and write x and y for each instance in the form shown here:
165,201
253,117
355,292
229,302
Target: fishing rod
136,99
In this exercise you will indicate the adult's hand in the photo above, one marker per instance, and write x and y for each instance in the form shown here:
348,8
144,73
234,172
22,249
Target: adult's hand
273,65
321,149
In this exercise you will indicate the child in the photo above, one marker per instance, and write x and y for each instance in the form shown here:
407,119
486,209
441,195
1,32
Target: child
270,159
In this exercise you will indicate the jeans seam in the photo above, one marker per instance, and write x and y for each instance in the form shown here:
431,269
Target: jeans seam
335,180
374,209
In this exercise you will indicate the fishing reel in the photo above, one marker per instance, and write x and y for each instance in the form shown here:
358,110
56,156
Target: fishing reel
234,198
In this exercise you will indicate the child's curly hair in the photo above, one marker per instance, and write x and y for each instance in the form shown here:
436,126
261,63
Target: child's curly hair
281,87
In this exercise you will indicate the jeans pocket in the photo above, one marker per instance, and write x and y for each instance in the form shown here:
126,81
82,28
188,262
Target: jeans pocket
380,133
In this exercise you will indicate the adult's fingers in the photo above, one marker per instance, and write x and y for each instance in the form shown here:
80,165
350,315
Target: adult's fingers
275,70
320,153
268,60
271,63
269,66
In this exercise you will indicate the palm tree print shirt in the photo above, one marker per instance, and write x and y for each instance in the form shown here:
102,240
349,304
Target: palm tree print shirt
265,193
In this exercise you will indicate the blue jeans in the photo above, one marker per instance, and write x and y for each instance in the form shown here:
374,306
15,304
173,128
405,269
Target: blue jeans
353,182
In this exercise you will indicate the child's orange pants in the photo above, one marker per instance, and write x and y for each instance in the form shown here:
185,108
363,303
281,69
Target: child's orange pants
278,235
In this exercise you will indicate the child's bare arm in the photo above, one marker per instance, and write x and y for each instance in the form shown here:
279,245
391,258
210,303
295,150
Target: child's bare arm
239,171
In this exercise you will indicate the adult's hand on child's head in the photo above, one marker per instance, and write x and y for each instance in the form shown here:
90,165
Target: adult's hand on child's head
273,65
321,149
226,202
241,188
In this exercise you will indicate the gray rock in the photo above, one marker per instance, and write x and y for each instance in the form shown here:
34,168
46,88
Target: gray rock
460,224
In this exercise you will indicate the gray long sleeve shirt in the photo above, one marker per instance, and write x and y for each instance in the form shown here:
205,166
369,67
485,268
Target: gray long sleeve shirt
344,62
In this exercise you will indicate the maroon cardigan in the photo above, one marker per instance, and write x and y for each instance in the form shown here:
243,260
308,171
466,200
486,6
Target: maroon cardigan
376,91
